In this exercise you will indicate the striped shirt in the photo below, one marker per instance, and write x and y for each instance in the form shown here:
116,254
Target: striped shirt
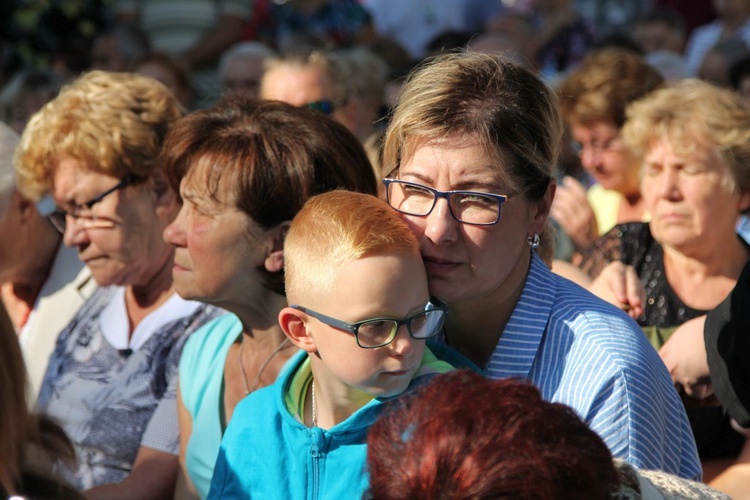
585,353
705,37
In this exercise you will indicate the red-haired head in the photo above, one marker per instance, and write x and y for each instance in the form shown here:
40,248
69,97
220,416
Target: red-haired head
464,436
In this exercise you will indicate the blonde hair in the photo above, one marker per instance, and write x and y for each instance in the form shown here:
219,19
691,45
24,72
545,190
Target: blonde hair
114,123
693,113
509,110
338,227
603,86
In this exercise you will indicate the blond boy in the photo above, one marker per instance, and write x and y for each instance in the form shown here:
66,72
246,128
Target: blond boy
360,313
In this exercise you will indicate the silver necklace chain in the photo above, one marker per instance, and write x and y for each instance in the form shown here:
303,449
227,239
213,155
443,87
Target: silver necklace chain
262,367
314,415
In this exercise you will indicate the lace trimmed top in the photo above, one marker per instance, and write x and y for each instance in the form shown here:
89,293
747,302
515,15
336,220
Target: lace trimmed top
633,244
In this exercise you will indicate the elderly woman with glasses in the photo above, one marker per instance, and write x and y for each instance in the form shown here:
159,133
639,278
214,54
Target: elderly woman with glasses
593,100
109,380
473,143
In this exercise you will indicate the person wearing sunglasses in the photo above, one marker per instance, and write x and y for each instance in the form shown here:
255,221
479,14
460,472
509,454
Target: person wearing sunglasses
472,146
360,313
108,382
317,80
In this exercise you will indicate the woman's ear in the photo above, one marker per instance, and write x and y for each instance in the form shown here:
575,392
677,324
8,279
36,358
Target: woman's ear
293,322
274,262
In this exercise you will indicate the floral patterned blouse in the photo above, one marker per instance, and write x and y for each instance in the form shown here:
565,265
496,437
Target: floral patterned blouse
112,401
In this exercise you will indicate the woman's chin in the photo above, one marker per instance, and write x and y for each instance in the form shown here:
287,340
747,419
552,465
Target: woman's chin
109,277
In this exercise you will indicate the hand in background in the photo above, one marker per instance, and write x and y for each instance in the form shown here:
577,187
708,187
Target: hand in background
685,356
572,211
619,284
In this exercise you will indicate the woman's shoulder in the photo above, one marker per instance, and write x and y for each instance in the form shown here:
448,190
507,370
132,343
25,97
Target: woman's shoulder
591,319
203,356
209,341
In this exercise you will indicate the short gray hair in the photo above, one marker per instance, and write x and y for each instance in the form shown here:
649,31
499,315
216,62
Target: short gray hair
245,49
8,143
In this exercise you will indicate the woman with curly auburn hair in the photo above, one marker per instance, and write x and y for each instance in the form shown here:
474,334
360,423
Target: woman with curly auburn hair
111,379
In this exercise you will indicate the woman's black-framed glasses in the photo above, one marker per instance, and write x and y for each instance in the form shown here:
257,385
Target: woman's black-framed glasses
79,212
469,207
379,332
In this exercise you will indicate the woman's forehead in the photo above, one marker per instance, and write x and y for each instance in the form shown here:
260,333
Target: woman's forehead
474,157
206,178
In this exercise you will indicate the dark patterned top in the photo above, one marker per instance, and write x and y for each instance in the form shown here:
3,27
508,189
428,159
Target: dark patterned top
633,244
110,401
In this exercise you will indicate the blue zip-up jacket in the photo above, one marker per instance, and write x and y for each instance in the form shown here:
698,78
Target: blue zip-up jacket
267,453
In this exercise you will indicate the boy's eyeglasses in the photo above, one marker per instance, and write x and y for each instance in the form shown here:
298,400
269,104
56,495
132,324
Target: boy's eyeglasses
325,106
82,212
379,332
469,207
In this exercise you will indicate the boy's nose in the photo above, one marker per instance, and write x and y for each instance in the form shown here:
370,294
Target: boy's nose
403,344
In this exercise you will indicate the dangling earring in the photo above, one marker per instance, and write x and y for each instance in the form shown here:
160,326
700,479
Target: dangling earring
533,241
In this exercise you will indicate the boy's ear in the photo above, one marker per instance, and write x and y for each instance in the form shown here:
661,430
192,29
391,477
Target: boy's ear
293,323
274,262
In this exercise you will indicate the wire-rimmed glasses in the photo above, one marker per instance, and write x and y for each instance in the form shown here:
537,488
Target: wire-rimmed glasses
379,332
82,212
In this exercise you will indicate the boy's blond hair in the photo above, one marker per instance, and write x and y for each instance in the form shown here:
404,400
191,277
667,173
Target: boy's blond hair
338,227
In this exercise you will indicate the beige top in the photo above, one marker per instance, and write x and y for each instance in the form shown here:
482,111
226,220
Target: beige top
67,287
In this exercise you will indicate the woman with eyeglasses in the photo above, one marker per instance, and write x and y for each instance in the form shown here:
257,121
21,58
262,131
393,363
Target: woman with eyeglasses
473,143
243,169
593,99
110,379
